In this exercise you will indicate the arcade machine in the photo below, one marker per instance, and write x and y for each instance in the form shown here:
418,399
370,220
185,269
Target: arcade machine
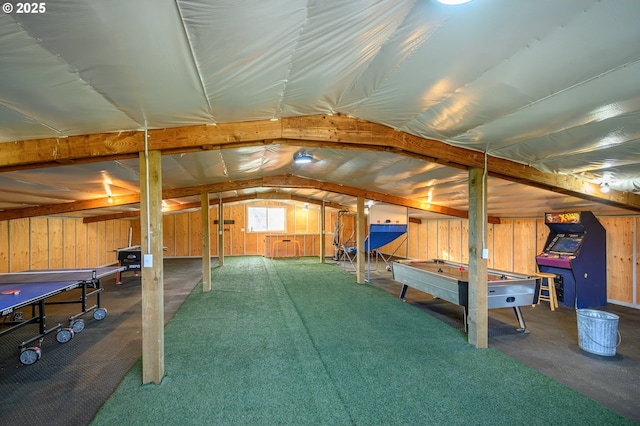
576,253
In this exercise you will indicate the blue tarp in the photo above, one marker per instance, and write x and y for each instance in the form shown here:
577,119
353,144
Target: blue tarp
383,234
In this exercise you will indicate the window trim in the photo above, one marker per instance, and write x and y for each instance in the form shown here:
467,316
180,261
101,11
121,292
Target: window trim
267,228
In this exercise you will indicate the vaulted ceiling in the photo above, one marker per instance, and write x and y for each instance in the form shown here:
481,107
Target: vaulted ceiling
394,100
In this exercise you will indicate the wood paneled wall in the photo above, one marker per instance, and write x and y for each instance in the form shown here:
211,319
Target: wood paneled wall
621,235
54,243
182,231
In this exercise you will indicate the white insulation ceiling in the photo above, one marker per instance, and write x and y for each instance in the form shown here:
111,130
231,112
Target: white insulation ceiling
547,83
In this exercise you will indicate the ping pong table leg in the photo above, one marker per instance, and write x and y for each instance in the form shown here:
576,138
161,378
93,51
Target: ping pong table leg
42,317
77,325
31,354
99,313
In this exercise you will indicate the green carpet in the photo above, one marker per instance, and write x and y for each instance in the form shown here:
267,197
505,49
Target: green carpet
296,342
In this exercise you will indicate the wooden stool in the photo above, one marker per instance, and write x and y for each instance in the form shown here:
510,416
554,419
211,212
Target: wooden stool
552,297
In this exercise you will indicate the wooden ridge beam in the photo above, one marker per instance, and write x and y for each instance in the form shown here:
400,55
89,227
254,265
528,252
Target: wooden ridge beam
288,181
280,181
273,195
211,188
335,131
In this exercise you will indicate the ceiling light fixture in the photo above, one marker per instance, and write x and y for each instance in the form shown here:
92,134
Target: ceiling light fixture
106,182
453,2
302,157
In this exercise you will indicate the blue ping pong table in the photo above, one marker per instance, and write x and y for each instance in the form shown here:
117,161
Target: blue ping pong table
32,289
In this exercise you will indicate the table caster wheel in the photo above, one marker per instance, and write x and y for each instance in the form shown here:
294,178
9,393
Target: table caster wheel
77,325
29,356
64,335
99,314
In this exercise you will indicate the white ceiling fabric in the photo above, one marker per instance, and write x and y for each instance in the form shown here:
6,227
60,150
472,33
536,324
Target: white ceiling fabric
547,83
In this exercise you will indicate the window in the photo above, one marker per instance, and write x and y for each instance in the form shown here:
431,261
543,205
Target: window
266,219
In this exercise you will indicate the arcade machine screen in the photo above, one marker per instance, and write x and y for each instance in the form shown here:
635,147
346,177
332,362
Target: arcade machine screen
566,244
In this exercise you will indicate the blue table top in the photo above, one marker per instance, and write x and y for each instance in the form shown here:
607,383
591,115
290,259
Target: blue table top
30,293
35,289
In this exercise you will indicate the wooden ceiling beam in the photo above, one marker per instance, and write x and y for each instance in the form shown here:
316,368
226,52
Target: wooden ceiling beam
53,152
559,183
116,216
289,181
335,131
319,202
280,181
272,195
68,207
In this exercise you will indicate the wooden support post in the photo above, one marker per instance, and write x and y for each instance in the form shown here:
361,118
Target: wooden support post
322,232
206,242
361,258
152,270
478,291
220,233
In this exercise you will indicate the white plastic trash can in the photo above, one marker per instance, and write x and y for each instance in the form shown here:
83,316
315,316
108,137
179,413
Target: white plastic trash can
598,332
